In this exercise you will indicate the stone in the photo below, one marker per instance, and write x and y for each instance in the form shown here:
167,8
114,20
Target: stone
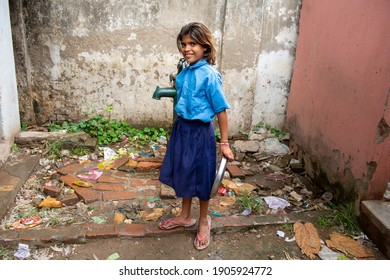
235,171
273,147
246,146
166,192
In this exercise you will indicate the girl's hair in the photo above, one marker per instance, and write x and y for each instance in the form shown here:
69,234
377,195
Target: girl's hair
202,35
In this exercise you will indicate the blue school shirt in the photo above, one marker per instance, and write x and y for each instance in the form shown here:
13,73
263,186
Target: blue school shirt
199,92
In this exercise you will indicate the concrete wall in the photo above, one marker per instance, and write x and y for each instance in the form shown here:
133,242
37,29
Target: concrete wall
338,105
9,108
76,57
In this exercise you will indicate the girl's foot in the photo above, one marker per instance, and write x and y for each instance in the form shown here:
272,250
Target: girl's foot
202,239
176,222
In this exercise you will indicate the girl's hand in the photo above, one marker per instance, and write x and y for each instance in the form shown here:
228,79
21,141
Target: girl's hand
227,152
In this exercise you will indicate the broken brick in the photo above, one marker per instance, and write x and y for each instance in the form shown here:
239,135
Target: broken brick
235,171
119,162
87,195
69,199
148,166
52,191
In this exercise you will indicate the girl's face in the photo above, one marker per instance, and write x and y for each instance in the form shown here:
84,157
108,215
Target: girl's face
191,50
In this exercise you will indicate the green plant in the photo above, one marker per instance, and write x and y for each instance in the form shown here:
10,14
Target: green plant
271,129
24,126
343,216
5,254
53,149
288,228
15,148
217,134
80,151
247,200
346,218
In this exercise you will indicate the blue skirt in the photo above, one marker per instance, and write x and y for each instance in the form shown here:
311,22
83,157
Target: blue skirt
189,165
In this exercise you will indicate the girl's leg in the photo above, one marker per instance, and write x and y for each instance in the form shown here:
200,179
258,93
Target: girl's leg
184,219
203,234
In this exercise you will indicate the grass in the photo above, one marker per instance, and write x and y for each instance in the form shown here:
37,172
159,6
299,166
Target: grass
343,216
5,254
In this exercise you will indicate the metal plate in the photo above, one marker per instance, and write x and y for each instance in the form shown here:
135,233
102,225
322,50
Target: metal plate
219,176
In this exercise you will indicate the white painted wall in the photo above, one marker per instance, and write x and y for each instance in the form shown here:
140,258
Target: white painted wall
9,108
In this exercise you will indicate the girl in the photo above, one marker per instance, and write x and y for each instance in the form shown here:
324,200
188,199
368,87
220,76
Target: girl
189,166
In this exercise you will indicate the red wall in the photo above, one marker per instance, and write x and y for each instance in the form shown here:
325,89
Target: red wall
340,93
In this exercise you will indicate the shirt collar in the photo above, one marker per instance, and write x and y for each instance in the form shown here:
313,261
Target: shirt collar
198,64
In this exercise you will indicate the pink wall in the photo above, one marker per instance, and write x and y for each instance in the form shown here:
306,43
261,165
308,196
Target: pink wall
340,92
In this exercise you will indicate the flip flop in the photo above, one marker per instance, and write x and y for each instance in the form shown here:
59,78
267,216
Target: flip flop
170,224
199,239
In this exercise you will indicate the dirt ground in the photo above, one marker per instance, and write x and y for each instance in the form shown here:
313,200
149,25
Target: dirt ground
261,243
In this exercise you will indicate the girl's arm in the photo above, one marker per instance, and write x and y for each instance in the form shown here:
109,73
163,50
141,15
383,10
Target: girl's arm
223,127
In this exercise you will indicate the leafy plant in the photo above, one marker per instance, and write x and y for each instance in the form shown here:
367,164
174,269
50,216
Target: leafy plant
270,128
80,151
247,200
15,148
217,134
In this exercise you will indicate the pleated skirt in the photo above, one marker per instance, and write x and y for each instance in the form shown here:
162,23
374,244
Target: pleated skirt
189,165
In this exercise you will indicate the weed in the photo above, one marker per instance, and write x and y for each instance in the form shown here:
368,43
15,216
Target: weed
343,216
15,148
80,151
271,129
5,254
217,134
288,228
53,149
346,218
248,201
24,126
324,221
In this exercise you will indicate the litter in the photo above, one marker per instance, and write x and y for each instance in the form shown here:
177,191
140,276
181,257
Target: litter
327,254
280,233
23,251
82,184
216,214
290,239
91,175
98,220
274,202
114,256
109,153
246,212
27,222
50,202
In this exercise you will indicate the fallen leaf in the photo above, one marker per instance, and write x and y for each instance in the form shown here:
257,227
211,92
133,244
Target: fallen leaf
307,239
347,245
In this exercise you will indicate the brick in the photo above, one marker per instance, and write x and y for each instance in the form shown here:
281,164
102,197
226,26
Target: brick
150,159
100,230
70,168
148,166
108,187
152,229
52,191
69,180
148,191
110,179
166,192
69,199
119,162
120,195
132,230
144,182
235,171
87,195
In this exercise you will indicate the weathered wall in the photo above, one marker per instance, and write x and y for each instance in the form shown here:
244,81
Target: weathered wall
77,57
338,105
9,109
277,54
